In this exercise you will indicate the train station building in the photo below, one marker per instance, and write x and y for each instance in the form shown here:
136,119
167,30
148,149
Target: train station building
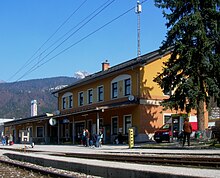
111,101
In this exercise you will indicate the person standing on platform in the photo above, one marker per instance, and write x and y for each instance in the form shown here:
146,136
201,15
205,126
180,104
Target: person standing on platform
187,130
87,137
84,137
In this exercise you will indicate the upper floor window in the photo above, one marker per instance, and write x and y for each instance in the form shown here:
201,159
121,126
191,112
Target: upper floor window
81,99
115,90
127,84
70,101
100,93
67,100
121,86
90,93
64,102
167,91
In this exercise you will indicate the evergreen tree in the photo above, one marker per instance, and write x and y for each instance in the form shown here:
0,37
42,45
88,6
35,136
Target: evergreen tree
192,73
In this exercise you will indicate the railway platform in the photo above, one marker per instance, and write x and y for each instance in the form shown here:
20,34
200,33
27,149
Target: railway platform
51,155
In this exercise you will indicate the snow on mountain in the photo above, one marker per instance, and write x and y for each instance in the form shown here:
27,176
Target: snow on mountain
81,74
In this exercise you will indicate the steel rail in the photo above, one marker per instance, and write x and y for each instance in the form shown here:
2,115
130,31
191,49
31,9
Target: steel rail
35,169
208,162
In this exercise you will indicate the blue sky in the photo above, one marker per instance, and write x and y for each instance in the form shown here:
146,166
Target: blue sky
27,24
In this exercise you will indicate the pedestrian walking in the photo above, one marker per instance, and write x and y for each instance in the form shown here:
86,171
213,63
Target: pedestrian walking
187,130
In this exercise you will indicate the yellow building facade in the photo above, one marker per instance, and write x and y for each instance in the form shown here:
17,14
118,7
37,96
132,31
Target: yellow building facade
110,101
116,99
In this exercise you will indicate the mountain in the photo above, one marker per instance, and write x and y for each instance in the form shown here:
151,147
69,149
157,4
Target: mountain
81,74
15,98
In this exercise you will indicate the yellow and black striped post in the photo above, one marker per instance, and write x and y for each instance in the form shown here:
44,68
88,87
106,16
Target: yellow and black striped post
131,138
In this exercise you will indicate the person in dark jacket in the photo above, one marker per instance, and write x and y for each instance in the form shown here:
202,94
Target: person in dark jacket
187,130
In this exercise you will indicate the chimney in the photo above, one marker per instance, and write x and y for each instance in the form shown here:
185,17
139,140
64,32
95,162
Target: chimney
105,65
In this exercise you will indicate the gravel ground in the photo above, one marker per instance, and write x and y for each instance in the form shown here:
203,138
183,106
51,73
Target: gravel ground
9,171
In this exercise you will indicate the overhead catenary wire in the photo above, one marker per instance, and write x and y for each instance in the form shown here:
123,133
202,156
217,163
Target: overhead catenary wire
31,59
40,60
82,39
59,39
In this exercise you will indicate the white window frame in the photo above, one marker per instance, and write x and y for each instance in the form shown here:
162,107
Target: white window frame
124,129
166,114
119,78
125,87
98,93
66,99
79,98
113,94
37,131
70,101
30,130
63,102
112,129
90,100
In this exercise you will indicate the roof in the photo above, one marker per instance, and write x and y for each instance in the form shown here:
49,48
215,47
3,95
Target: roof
100,108
130,63
28,119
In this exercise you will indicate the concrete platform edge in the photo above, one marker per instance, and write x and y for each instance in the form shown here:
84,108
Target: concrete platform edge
103,171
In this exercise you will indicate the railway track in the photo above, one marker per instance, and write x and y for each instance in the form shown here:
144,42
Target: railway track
192,160
203,161
14,168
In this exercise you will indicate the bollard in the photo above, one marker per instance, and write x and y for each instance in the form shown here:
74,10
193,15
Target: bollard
131,138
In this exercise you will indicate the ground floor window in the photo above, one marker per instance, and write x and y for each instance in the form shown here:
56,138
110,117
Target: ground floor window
40,131
166,118
114,125
29,129
127,123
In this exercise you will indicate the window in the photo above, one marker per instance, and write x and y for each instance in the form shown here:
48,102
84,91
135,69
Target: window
167,118
81,99
29,129
70,101
114,125
114,90
64,102
90,92
67,100
167,91
127,124
127,84
100,93
40,131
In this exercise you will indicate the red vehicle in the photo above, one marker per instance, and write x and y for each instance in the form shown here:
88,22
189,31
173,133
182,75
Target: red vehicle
165,133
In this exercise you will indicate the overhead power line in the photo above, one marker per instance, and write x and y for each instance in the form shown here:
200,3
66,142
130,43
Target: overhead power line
82,39
40,55
30,60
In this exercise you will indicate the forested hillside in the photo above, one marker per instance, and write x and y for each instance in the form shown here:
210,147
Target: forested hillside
15,98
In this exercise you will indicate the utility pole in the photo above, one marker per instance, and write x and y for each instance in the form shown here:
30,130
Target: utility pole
138,10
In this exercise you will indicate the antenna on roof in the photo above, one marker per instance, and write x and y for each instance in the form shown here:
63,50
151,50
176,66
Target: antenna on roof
138,10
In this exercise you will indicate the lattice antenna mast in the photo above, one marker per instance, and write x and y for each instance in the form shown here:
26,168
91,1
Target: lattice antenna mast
138,10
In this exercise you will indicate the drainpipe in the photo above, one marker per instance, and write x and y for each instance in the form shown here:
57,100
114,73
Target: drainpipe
58,131
97,121
73,132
